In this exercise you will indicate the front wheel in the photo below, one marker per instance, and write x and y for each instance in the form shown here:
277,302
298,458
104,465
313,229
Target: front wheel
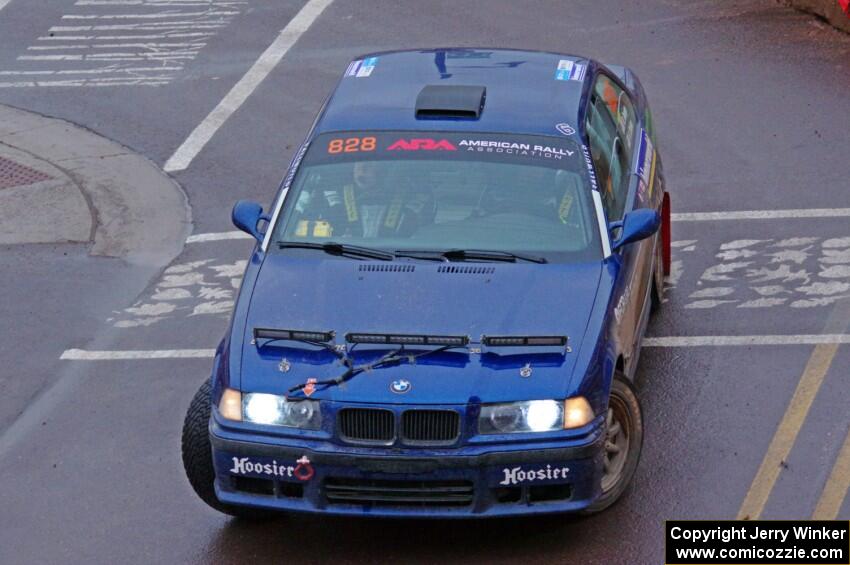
197,457
623,443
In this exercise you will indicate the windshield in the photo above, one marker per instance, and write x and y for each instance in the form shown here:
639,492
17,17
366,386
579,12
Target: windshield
437,191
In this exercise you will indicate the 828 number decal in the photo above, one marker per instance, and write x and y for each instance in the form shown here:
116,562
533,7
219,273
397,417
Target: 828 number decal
351,145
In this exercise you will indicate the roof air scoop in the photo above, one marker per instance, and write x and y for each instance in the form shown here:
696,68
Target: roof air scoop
450,101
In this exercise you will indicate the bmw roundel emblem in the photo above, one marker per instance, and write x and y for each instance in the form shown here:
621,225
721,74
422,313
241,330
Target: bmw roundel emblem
400,386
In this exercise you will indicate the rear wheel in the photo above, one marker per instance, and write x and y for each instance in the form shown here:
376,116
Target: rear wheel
197,457
623,443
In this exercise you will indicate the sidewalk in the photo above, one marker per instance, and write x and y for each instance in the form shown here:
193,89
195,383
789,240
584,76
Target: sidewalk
62,183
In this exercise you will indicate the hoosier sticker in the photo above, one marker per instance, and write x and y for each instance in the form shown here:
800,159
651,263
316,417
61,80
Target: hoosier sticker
517,475
302,470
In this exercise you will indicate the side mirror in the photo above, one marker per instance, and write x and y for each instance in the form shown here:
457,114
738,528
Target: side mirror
637,225
246,215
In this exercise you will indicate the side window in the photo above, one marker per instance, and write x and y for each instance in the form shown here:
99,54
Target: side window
611,125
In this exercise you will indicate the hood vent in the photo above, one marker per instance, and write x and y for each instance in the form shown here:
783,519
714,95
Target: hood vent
466,270
437,101
383,268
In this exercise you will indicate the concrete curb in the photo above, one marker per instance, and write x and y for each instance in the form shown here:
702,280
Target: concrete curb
829,10
138,213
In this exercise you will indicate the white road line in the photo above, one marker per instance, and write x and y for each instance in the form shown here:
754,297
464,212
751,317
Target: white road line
739,340
50,58
87,82
246,85
169,35
219,236
3,3
157,2
158,16
761,214
83,355
150,45
669,341
212,24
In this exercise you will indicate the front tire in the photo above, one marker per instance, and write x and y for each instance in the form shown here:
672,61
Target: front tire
623,443
197,457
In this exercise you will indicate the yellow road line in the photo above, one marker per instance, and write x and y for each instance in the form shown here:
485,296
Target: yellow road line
836,486
786,434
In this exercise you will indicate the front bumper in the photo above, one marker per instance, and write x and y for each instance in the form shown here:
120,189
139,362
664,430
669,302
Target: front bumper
472,481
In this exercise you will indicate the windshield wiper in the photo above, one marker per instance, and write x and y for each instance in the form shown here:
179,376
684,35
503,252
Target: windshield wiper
334,248
425,255
391,359
471,255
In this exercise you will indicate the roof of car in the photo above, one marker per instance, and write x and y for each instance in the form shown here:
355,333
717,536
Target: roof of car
526,91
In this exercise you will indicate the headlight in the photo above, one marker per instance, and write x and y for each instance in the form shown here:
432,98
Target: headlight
273,410
530,416
577,412
534,416
230,405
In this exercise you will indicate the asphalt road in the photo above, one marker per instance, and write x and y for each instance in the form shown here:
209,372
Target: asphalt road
750,102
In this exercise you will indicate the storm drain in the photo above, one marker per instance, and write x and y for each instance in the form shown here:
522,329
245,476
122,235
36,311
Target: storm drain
14,174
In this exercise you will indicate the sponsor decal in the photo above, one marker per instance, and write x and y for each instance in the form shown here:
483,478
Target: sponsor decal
361,67
514,148
302,470
284,366
422,144
620,310
353,67
525,371
352,144
570,70
293,168
565,129
310,387
645,166
400,386
367,67
517,475
589,162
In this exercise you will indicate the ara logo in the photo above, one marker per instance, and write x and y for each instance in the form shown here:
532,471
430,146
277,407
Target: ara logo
424,144
400,386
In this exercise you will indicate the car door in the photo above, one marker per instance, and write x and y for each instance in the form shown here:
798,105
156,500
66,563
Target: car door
616,139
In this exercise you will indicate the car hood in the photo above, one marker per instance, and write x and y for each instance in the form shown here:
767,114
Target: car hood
471,299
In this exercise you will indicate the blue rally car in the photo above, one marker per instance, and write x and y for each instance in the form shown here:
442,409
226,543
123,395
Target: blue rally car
444,307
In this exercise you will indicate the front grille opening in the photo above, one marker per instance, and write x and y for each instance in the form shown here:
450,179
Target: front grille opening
507,494
252,486
372,492
290,490
545,493
367,424
430,426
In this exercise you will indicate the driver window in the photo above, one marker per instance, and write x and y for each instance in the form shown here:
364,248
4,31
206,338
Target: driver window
611,128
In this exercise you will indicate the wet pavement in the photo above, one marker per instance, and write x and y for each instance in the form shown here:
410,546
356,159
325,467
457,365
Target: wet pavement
749,99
